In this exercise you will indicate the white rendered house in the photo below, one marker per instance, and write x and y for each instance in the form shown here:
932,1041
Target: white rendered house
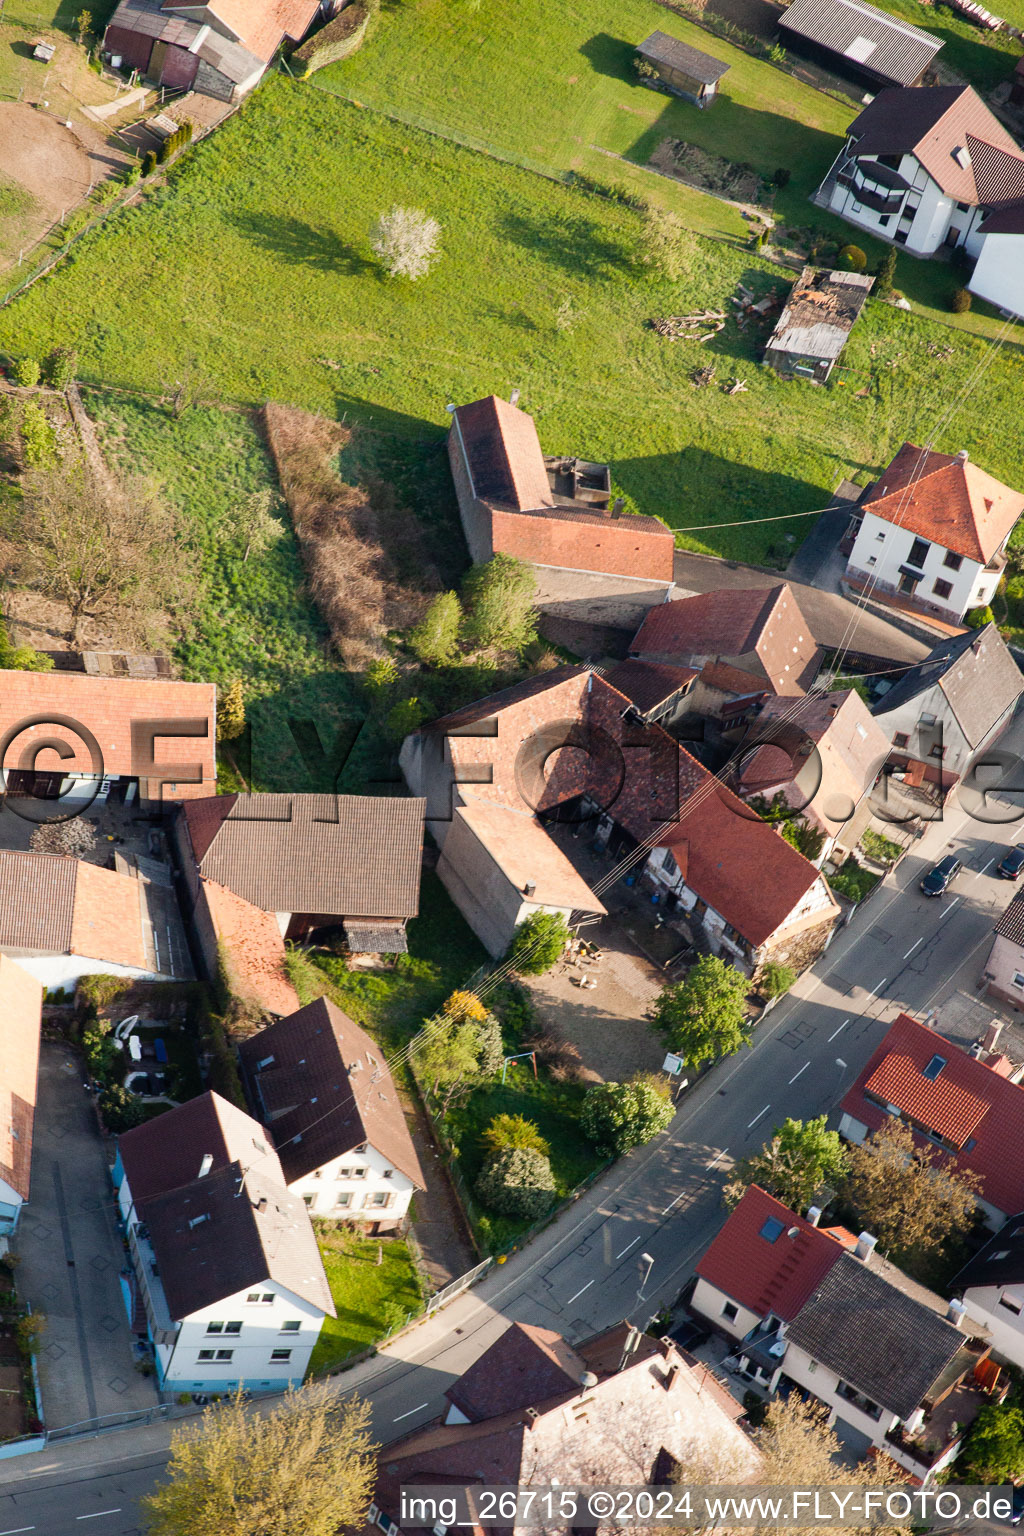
225,1278
21,1003
323,1090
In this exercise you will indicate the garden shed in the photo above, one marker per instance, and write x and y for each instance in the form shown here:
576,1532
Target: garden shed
816,322
684,70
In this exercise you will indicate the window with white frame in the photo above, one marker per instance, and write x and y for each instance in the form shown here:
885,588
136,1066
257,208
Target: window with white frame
280,1354
380,1197
290,1326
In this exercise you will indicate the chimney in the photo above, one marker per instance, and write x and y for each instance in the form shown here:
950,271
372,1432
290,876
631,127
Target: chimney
260,1204
617,506
962,456
515,397
206,1164
669,1379
530,1417
814,1214
529,889
865,1247
955,1313
990,1039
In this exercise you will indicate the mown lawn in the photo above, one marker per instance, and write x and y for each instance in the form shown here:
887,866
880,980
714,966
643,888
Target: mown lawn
371,1299
275,215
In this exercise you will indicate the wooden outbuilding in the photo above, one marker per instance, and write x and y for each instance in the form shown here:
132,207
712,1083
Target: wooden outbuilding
683,70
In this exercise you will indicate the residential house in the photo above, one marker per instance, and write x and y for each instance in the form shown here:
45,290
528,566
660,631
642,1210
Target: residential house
317,863
991,1286
21,1006
660,693
931,167
965,1107
619,1408
591,561
858,41
496,780
63,918
225,1278
932,533
743,644
323,1090
77,738
941,713
220,51
820,1311
1004,968
815,325
822,758
682,69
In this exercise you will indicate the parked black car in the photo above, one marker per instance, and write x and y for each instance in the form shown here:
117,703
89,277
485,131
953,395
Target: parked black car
1011,866
942,876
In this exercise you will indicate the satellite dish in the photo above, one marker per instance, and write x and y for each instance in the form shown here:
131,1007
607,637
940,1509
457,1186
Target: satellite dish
778,1350
588,1379
793,1232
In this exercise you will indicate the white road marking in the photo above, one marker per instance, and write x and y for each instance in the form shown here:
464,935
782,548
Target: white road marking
579,1293
401,1416
949,909
803,1069
637,1239
717,1157
99,1513
913,946
758,1115
17,1530
838,1031
978,872
668,1207
878,986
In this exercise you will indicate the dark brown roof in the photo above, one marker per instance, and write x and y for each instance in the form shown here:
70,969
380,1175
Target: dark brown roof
166,1153
733,623
1008,220
344,855
663,49
522,1367
230,1230
21,1004
1011,924
376,938
325,1091
937,124
649,683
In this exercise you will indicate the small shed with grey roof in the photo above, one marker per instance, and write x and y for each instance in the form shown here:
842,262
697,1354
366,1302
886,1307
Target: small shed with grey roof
858,41
684,70
813,328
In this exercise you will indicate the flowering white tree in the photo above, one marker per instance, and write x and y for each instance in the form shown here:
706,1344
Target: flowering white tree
406,240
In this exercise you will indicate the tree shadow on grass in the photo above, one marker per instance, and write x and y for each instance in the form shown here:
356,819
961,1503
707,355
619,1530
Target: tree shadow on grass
612,56
579,245
303,244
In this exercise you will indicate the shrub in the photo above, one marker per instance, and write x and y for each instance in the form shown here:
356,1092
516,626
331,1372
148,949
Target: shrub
852,259
132,175
510,1133
518,1182
617,1116
885,274
780,177
405,716
537,943
960,303
644,68
435,640
381,675
499,595
38,439
492,1046
977,618
121,1110
26,372
60,367
407,241
777,979
149,162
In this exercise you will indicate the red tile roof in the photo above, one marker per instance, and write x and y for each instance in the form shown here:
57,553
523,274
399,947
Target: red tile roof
633,546
765,623
968,1098
506,463
932,123
946,499
253,949
768,1276
21,1004
108,707
259,25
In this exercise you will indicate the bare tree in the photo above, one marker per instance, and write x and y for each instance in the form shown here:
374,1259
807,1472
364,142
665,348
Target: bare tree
251,526
76,837
111,549
406,240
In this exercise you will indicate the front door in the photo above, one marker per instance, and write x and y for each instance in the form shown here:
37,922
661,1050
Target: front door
908,584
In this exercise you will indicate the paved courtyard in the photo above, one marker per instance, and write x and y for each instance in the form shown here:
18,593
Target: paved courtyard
70,1255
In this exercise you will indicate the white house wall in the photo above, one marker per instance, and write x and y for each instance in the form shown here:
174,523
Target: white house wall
880,548
998,276
1005,1326
710,1302
359,1176
823,1384
934,216
55,971
262,1333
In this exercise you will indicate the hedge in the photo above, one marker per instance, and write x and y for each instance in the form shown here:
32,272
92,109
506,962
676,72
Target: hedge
340,37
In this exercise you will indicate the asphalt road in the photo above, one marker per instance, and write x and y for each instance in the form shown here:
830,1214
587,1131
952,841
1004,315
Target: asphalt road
664,1201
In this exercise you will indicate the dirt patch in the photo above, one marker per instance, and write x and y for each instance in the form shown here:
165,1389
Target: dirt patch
606,1023
345,534
707,172
44,157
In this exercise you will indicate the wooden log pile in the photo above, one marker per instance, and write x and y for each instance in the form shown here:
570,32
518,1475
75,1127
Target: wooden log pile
690,327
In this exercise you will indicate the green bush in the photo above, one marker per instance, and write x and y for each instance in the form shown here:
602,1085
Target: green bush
60,367
518,1182
26,371
852,259
853,881
121,1110
537,943
617,1116
132,175
149,162
780,177
38,439
514,1133
977,618
884,850
777,979
960,303
492,1046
